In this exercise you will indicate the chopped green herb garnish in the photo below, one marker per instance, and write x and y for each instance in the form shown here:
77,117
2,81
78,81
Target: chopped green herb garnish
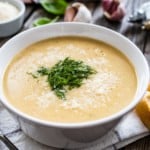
33,75
66,75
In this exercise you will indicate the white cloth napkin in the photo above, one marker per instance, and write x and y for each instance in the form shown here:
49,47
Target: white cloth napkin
127,131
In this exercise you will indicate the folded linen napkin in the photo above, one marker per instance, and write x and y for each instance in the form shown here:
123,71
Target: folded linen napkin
127,131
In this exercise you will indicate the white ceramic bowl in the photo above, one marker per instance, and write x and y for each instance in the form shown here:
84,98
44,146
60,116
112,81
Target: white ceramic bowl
13,25
75,135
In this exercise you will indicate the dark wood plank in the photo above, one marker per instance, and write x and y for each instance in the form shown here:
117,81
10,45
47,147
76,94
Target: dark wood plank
29,10
35,15
92,5
147,47
139,38
143,144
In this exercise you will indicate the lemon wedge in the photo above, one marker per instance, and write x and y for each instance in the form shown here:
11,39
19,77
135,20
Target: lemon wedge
143,108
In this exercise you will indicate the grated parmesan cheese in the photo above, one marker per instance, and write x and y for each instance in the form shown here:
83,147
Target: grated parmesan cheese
46,99
7,11
101,84
77,103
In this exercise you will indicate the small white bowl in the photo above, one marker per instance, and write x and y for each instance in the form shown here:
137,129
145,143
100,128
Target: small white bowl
74,135
13,25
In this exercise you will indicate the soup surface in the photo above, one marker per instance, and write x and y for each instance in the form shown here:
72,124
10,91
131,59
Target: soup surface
104,93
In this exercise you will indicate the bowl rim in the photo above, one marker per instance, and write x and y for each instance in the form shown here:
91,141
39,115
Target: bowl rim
21,8
108,119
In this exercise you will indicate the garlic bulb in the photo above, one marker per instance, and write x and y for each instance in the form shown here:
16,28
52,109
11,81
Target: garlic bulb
77,12
113,9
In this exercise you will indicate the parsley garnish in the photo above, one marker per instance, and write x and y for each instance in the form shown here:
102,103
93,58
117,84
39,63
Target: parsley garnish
66,75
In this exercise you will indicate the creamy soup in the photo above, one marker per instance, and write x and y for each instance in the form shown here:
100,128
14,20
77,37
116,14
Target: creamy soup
102,94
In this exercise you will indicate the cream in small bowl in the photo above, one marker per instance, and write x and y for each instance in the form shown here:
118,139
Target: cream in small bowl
7,11
64,134
11,16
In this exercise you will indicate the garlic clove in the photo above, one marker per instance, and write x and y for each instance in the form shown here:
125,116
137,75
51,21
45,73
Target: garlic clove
78,12
113,10
118,14
70,14
83,14
110,5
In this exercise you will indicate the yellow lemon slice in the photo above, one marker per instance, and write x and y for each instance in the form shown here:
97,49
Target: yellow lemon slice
143,108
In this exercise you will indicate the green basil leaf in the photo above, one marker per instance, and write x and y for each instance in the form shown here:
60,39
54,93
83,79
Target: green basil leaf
56,7
44,20
41,21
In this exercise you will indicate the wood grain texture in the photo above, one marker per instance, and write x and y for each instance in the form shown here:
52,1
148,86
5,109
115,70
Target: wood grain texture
143,144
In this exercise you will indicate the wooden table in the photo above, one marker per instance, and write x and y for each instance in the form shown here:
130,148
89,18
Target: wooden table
140,37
